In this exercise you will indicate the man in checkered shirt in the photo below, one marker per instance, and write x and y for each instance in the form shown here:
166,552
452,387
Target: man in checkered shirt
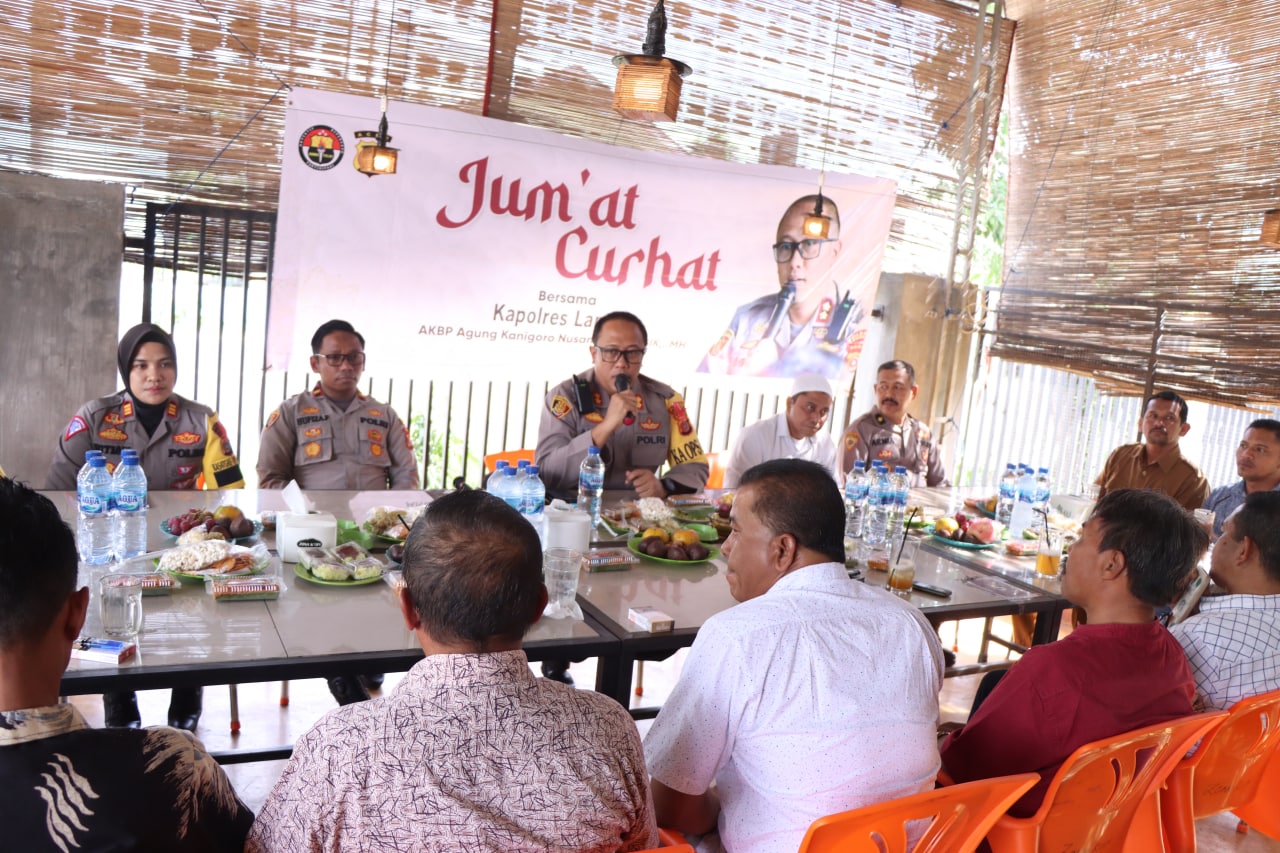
1233,643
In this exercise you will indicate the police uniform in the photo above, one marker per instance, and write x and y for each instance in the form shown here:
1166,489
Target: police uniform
661,433
873,437
815,347
189,449
309,438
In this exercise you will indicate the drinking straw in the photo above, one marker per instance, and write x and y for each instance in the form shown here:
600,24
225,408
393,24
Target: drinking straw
906,526
1044,513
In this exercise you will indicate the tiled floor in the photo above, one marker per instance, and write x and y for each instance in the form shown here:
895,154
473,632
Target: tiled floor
264,723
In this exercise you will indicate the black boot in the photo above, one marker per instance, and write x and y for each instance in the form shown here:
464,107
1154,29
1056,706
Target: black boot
347,689
557,670
372,681
120,710
185,705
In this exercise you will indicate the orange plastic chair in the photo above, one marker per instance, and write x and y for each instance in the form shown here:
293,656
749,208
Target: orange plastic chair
1225,773
671,841
512,457
1262,814
717,463
1092,801
959,816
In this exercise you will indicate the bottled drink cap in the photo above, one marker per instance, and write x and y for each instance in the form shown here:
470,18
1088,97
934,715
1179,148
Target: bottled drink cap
593,451
1010,467
500,464
900,469
509,471
533,469
1044,471
859,465
89,454
98,461
523,463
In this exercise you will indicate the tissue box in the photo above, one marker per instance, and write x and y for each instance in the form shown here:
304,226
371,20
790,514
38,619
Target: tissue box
304,530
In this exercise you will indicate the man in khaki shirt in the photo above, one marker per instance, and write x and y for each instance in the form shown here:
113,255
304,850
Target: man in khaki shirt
1157,463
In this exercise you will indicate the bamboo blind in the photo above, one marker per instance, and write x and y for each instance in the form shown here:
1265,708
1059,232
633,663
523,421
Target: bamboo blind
1140,170
148,93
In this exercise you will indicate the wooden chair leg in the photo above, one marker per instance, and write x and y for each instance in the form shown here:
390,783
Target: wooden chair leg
235,709
986,639
639,678
284,694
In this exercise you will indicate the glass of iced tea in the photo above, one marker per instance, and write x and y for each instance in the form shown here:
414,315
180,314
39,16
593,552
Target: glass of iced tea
902,575
1049,555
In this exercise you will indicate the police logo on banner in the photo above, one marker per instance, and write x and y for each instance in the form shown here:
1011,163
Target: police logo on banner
320,147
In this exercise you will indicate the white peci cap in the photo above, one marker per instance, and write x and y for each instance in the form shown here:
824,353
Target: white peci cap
805,383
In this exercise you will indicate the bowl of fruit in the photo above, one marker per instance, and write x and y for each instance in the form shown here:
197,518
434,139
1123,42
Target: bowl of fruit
965,531
197,525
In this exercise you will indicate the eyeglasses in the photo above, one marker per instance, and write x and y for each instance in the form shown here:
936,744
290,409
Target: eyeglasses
808,249
896,387
355,359
609,355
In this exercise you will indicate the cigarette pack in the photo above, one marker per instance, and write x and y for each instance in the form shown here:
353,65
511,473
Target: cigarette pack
611,560
103,650
651,619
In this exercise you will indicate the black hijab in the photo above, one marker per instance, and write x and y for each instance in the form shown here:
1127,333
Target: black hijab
143,333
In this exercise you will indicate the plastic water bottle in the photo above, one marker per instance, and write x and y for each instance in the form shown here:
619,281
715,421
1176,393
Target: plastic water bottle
522,471
879,499
856,486
1042,496
509,490
591,484
535,503
93,527
1008,494
84,469
899,493
496,477
1024,513
130,512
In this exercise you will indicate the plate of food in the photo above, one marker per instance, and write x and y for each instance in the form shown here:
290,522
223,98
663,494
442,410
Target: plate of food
706,532
196,525
983,506
213,558
707,552
305,574
390,523
1021,548
700,514
958,543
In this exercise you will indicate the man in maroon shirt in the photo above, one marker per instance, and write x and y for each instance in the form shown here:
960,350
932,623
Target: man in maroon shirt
1120,672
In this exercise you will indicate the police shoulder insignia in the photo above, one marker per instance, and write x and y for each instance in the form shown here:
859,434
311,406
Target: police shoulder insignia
171,411
850,440
275,416
560,406
77,425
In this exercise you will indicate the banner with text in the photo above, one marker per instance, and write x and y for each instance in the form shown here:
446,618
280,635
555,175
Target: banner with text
496,246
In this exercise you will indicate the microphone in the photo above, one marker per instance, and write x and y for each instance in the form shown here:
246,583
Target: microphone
786,296
623,383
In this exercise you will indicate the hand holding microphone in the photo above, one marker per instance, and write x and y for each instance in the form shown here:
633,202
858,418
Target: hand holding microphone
786,296
623,384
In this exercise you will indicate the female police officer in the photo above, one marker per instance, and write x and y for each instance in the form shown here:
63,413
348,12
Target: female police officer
180,445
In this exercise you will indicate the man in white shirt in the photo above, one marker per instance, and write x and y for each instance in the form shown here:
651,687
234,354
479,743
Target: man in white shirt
1233,643
794,434
815,695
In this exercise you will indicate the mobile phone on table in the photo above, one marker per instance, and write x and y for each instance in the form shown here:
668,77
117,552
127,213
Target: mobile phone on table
930,589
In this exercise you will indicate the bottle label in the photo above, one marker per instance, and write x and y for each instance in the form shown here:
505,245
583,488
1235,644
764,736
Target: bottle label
128,502
91,505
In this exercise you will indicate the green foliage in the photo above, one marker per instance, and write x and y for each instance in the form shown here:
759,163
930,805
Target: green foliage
445,462
988,245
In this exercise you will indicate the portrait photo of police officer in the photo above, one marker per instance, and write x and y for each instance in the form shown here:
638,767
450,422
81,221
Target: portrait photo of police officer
811,323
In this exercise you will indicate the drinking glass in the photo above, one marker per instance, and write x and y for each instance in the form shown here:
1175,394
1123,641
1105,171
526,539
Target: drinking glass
1049,554
560,567
902,575
120,605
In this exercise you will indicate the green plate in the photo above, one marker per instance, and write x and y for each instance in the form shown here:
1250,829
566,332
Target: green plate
705,532
967,546
349,531
694,513
307,576
633,547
